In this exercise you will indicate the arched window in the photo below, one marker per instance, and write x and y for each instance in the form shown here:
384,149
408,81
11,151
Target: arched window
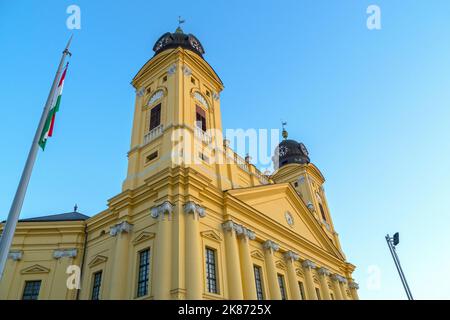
155,97
198,96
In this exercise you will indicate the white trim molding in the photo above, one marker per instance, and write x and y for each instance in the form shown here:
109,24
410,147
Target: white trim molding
65,253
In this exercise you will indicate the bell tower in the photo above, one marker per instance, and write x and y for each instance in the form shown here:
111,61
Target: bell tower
293,165
177,100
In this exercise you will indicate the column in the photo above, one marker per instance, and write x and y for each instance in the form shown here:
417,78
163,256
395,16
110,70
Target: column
248,275
119,270
323,278
64,258
270,247
342,283
308,265
336,288
353,286
233,265
162,271
294,289
194,260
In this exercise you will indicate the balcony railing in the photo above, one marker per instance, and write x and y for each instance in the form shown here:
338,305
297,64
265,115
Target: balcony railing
153,134
202,135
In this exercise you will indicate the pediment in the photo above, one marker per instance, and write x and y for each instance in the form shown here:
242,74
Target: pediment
143,236
34,269
299,273
257,255
281,204
98,259
280,264
212,235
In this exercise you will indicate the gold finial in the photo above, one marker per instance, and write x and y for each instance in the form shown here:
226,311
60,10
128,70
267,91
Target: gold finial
180,22
284,133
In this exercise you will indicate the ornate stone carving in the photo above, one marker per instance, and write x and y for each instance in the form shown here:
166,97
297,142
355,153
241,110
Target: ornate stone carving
301,180
270,245
119,228
140,92
240,230
324,272
172,69
196,209
353,285
15,255
338,278
64,253
160,211
308,264
187,71
290,255
311,206
199,97
216,96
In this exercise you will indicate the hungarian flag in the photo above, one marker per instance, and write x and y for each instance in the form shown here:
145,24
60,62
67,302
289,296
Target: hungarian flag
50,122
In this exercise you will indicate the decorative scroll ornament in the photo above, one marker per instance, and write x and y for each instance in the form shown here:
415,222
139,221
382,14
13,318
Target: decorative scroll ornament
159,211
187,71
65,253
290,255
240,230
140,92
15,255
196,209
119,228
155,97
339,278
308,264
324,272
353,285
172,69
270,245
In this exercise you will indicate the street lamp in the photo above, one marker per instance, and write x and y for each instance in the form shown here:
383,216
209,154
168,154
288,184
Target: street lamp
392,243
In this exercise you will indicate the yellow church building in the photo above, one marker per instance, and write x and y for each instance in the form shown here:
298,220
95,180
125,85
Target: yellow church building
194,219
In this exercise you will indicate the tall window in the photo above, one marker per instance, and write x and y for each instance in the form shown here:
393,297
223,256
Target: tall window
200,118
211,275
282,287
302,290
144,267
31,290
96,286
322,212
155,117
318,294
258,282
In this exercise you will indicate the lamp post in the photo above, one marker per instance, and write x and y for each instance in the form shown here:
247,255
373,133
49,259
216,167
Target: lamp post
392,243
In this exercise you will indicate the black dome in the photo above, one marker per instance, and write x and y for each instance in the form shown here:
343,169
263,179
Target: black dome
178,39
290,151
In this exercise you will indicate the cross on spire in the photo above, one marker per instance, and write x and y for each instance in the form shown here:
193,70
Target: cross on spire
180,21
284,133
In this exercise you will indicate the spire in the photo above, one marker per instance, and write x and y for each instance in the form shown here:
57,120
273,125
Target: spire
180,22
284,132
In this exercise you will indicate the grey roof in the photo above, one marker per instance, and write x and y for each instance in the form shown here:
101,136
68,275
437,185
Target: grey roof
69,216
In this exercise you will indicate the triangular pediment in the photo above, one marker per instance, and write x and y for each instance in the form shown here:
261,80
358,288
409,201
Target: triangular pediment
212,235
282,205
299,273
35,269
143,236
257,255
280,264
98,259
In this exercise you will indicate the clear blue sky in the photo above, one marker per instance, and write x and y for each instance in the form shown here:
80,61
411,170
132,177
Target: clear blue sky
373,108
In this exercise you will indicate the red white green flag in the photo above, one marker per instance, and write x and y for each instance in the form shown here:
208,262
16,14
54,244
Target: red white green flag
50,122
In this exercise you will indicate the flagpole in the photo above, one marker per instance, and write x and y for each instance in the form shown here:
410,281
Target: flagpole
16,206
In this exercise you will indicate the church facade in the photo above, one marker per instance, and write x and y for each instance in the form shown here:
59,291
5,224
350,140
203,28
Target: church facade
187,226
